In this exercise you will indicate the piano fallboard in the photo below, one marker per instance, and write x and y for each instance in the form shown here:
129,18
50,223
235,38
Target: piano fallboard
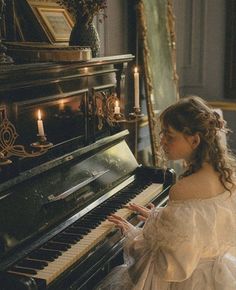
65,241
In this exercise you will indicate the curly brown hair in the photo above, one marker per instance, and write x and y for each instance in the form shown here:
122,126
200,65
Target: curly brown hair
191,115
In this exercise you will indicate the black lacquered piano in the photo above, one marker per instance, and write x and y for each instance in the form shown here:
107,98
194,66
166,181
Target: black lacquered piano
54,200
54,232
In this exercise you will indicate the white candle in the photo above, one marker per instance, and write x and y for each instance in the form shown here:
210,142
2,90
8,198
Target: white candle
136,88
40,124
117,108
61,105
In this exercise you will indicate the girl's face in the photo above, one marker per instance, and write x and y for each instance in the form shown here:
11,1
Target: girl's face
177,145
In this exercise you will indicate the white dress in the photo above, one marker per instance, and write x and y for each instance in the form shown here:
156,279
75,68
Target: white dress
188,245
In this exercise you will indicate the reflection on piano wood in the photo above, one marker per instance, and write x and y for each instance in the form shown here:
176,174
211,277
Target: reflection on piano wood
81,244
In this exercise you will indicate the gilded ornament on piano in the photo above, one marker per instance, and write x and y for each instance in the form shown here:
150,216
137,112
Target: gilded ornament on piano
108,109
8,148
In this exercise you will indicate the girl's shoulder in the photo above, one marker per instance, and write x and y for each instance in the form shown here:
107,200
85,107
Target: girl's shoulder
200,185
180,190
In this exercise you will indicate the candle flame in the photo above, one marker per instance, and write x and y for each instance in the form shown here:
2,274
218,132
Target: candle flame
116,104
135,69
39,115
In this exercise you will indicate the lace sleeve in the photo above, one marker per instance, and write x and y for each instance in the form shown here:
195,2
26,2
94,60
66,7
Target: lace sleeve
169,227
170,241
173,238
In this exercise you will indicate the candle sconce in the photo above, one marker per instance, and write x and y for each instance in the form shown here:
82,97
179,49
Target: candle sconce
42,143
8,148
107,110
115,116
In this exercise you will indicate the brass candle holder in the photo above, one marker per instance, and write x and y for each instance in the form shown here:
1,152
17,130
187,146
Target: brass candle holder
132,117
42,143
136,114
3,160
118,117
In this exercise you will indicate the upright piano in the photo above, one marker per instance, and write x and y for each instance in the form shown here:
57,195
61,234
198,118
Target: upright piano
54,232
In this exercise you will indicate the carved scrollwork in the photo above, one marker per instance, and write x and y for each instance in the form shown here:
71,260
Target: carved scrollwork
104,108
110,105
8,136
100,108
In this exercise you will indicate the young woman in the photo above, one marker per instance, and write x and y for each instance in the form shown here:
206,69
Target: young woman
191,243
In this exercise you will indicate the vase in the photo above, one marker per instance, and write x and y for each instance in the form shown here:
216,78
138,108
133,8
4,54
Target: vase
85,34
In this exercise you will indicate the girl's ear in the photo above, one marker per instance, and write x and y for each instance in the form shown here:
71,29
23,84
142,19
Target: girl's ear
195,140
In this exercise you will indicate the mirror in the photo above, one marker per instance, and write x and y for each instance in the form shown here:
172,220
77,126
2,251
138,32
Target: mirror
157,42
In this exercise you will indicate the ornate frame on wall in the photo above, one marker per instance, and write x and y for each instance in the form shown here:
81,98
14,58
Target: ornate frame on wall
157,38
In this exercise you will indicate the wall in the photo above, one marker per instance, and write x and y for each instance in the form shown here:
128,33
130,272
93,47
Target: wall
113,31
200,30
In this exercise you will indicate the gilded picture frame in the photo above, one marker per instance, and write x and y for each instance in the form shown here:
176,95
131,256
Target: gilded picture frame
157,38
56,21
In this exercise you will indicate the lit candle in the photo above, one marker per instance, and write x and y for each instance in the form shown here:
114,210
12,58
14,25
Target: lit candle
136,88
61,105
117,108
40,124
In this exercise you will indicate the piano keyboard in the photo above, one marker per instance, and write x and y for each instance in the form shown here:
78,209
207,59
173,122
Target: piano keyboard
73,243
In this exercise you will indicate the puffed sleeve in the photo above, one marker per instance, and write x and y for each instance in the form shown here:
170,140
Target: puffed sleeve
169,246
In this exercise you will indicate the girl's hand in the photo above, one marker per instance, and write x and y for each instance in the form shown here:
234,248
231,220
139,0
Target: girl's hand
143,212
120,222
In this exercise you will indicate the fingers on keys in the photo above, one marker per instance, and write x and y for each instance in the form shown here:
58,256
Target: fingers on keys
150,206
142,218
119,222
142,210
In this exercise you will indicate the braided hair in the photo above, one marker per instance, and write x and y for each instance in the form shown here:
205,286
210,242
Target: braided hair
191,115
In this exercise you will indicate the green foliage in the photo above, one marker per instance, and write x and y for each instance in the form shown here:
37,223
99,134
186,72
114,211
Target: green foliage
85,9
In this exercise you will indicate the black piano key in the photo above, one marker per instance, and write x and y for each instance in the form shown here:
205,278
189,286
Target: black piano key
90,221
107,209
91,216
56,246
80,230
67,238
24,270
71,230
32,264
101,217
45,255
112,207
89,224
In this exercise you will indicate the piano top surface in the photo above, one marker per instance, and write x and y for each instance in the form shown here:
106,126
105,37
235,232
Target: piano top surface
18,76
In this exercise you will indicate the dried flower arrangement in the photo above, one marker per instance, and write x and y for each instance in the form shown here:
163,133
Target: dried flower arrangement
85,9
